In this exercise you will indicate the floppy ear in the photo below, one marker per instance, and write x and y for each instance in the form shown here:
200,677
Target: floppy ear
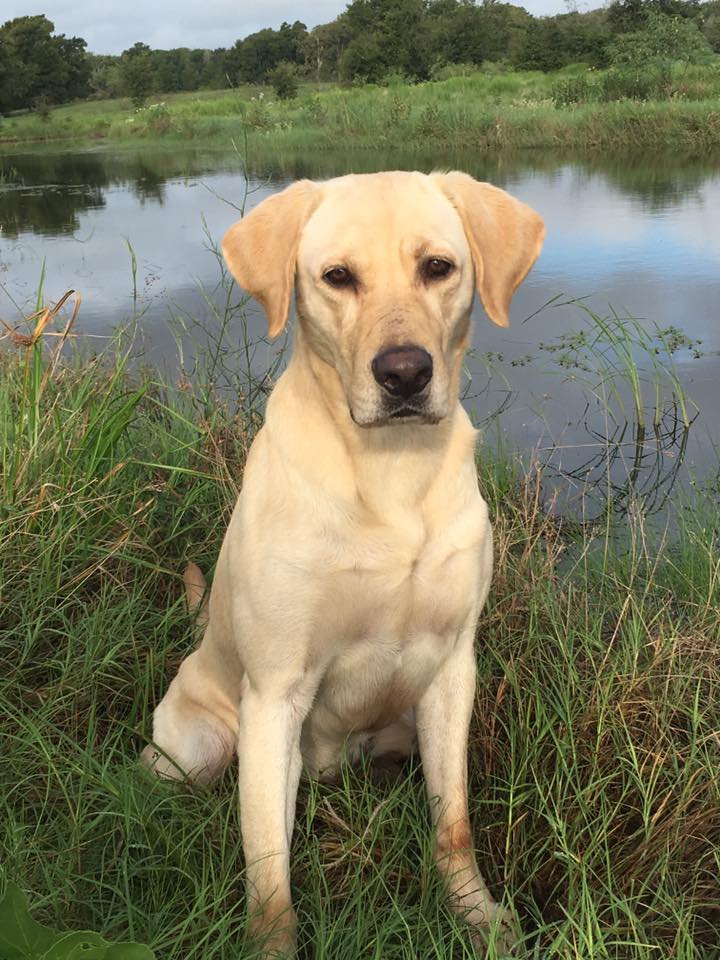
261,249
505,238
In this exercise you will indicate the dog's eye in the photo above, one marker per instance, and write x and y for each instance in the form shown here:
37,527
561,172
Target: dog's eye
435,268
339,277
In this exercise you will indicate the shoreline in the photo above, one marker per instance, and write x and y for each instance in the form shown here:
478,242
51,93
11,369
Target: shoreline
459,113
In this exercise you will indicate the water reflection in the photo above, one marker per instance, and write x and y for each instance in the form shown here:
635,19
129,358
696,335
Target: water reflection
639,234
622,463
44,193
47,198
666,180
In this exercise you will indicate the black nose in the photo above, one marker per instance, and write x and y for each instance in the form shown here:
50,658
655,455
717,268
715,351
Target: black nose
403,371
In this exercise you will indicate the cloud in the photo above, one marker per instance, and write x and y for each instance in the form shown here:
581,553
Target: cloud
112,26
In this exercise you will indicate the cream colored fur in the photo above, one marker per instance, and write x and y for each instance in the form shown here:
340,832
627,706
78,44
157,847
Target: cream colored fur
346,597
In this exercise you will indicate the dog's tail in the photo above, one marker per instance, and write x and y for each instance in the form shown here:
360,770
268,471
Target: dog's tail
195,590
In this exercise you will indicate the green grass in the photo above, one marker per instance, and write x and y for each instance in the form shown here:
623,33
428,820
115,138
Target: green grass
594,750
484,109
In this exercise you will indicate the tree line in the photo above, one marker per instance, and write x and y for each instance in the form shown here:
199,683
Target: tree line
371,41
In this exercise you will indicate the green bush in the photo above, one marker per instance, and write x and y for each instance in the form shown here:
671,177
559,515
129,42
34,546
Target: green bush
314,111
430,122
493,67
663,40
258,115
395,78
284,81
618,84
566,91
398,111
136,74
443,71
41,107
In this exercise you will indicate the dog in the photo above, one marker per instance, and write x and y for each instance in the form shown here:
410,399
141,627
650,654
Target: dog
344,606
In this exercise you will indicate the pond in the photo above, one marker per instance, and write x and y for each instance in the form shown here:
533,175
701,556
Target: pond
614,345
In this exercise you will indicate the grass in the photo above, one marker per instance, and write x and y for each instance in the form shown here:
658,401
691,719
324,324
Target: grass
594,750
482,109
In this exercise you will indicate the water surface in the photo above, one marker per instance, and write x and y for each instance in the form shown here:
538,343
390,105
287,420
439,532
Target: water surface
626,235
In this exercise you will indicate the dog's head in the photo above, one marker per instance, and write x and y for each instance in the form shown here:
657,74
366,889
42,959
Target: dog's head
384,267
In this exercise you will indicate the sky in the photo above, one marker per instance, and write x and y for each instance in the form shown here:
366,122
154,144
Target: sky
110,26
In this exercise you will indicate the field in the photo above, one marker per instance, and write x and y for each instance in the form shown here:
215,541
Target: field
594,750
574,108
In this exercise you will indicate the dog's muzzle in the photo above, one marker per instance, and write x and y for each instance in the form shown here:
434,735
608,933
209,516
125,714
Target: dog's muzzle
403,374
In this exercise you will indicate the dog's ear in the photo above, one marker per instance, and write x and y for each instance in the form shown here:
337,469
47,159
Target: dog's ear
505,238
261,249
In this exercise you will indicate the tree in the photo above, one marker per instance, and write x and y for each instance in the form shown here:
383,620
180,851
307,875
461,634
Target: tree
168,69
711,25
324,46
136,73
387,37
626,16
104,78
646,57
663,41
584,37
37,66
214,72
465,38
252,59
12,84
629,16
505,27
364,59
284,80
76,65
543,47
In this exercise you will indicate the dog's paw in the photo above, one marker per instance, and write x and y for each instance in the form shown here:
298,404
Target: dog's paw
498,938
281,946
160,765
273,937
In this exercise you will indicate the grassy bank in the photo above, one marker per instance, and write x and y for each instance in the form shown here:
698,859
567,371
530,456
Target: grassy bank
594,750
571,109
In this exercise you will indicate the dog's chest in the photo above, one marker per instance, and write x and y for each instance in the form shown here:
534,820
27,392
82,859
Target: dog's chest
394,614
373,682
400,582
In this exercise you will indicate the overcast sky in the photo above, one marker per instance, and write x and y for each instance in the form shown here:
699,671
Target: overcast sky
110,26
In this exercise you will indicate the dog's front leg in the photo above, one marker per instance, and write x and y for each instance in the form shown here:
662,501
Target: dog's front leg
269,771
443,720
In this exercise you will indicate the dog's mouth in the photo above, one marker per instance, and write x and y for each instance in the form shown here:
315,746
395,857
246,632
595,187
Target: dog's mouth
403,413
406,414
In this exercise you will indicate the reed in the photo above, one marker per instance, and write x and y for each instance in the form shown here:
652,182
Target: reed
484,109
594,749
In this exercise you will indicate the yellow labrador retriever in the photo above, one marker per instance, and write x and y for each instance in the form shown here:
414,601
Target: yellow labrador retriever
347,592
